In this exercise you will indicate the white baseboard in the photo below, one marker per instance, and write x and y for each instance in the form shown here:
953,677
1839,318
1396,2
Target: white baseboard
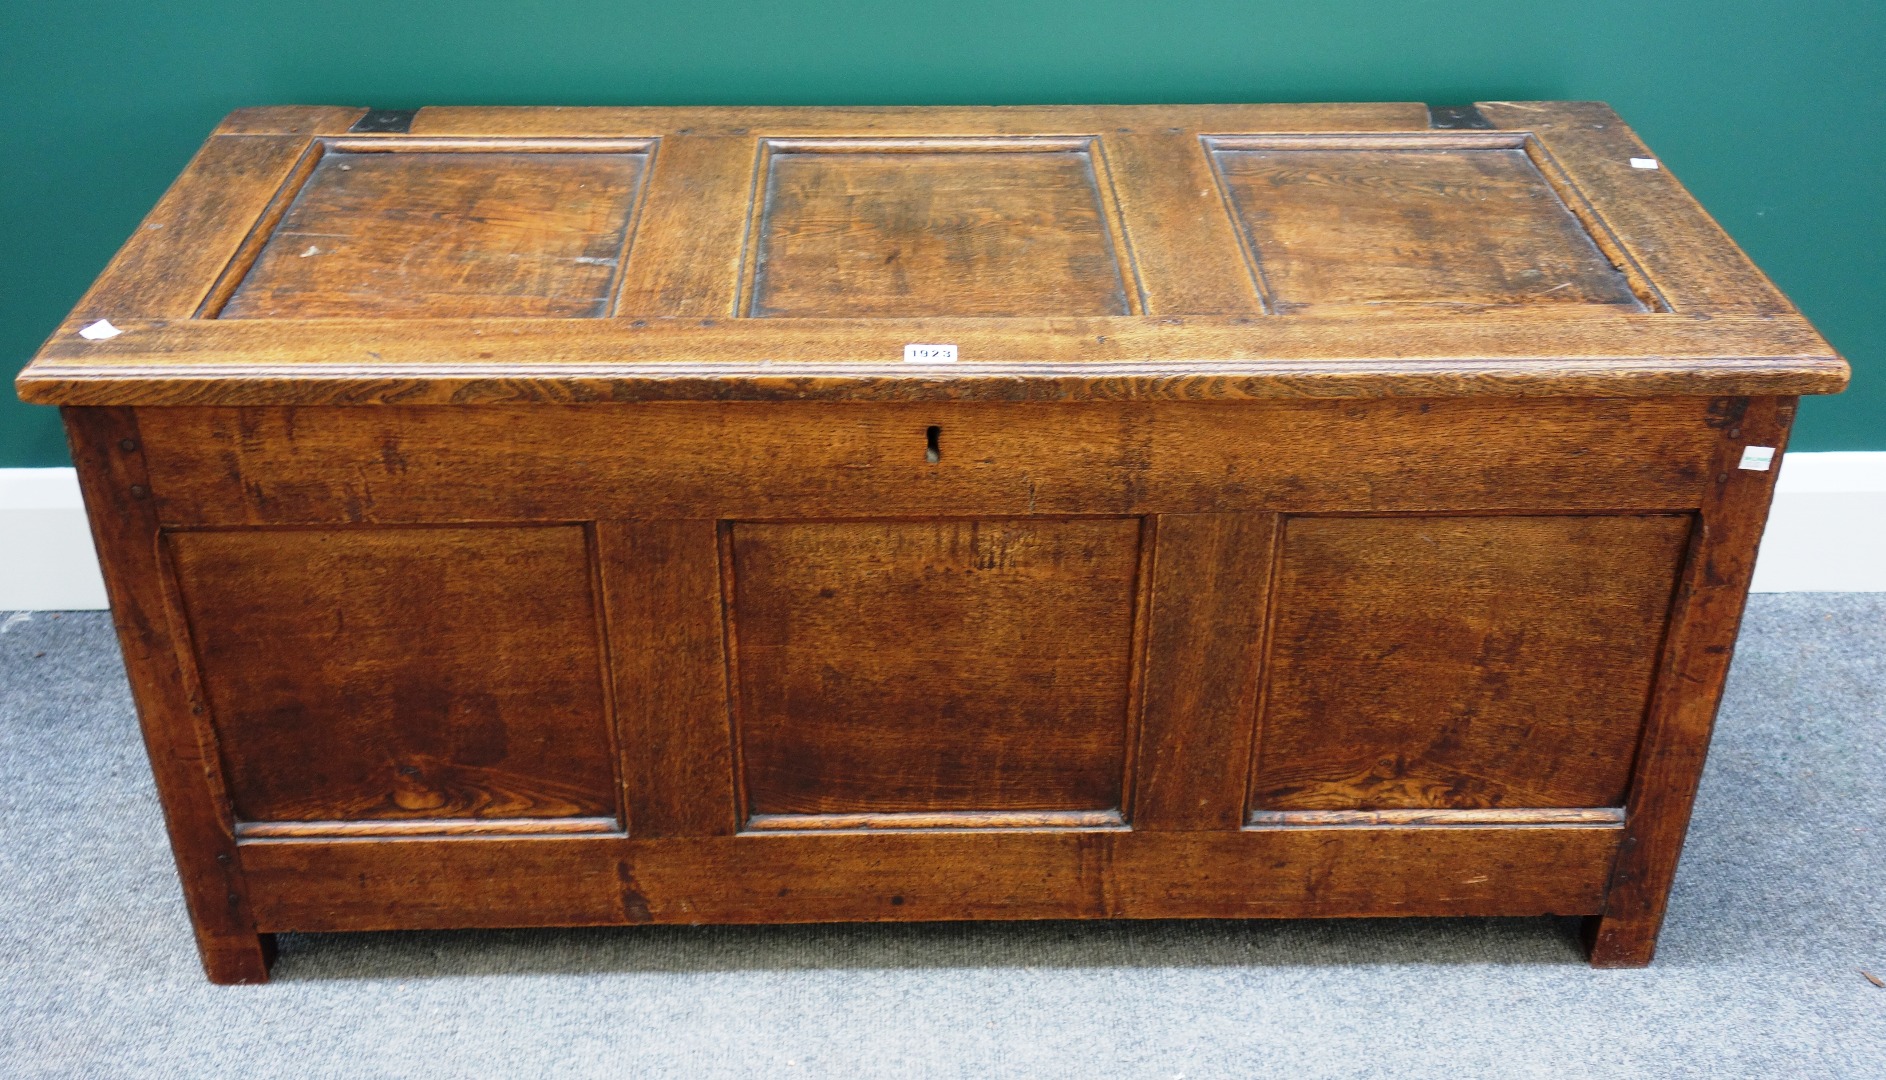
1827,533
47,562
1827,530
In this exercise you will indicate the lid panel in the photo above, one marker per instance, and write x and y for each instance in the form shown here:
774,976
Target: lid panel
447,234
882,230
1069,253
1368,227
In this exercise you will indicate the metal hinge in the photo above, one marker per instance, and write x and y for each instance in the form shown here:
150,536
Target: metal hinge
393,121
1456,117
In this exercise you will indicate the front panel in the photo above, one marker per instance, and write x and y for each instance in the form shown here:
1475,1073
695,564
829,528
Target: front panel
410,677
708,714
943,666
1441,662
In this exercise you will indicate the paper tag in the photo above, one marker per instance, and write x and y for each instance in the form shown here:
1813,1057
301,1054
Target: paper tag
102,330
1645,163
929,354
1757,458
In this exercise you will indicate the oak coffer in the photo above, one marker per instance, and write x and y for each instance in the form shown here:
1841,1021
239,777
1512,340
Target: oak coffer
540,516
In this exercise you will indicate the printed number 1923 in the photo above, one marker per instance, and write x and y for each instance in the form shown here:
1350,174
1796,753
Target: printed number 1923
929,354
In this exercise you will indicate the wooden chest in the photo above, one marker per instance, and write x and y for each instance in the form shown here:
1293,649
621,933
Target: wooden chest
528,517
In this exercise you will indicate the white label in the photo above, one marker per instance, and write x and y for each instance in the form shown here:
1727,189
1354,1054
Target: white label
1645,163
101,330
1757,458
929,354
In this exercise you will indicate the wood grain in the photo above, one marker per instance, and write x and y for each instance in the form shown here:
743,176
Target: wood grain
1427,219
290,120
941,665
110,455
897,122
1210,592
1541,352
395,235
663,594
689,249
169,264
1692,668
1608,817
1469,227
569,826
401,673
744,461
1429,662
948,819
1690,260
885,876
904,232
1186,259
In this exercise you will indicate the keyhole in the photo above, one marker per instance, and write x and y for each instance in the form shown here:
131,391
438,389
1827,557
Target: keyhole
931,452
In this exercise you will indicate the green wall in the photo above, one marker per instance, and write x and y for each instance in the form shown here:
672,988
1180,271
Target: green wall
1770,110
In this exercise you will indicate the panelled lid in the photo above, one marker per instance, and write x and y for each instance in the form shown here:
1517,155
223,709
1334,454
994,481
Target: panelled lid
325,255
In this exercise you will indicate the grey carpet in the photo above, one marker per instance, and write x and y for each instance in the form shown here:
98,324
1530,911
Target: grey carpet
1780,902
